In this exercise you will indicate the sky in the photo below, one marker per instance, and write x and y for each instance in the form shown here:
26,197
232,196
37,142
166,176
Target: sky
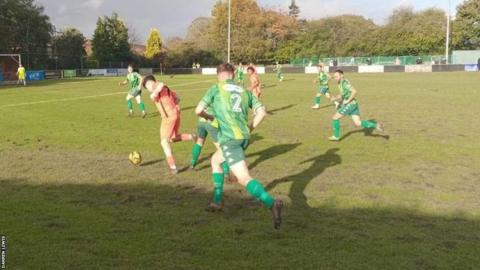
172,17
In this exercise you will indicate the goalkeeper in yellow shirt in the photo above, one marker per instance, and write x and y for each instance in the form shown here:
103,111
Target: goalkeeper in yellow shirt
21,75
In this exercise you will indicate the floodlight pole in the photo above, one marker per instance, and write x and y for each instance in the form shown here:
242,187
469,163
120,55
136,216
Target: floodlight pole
448,34
229,29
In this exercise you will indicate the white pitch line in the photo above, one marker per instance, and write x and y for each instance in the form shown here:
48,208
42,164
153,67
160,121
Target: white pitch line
88,97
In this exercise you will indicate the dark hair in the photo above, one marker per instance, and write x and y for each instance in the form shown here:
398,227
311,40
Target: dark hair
147,79
226,67
339,71
130,65
251,69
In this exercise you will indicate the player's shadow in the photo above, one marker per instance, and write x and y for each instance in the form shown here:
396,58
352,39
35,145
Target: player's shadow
266,86
151,162
301,180
366,132
326,106
272,112
271,153
153,115
188,108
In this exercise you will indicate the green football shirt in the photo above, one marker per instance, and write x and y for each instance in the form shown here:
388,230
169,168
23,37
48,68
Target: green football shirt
345,88
230,104
323,79
134,82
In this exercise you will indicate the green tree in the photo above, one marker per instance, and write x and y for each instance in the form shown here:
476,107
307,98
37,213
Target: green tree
198,33
414,33
248,43
69,48
466,27
345,35
25,29
110,40
154,45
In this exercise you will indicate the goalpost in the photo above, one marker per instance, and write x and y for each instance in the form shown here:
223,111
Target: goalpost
8,67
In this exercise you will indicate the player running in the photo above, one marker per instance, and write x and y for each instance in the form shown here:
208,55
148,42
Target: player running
230,105
255,85
240,74
21,75
205,127
349,107
323,89
278,69
167,103
135,82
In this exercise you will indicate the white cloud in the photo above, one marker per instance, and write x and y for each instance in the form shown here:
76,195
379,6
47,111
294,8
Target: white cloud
93,4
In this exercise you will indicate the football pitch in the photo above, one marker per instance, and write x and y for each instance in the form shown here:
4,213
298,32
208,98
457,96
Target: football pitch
408,198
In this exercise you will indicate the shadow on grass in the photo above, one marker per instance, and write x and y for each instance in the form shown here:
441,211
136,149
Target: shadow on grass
266,86
272,112
300,181
150,162
271,153
152,226
366,132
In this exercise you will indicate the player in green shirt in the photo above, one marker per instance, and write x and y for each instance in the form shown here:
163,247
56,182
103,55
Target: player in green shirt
323,88
240,74
134,80
230,104
205,127
278,69
349,107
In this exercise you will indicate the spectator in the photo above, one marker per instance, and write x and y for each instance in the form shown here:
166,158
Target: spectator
478,64
335,62
419,61
198,65
397,61
369,61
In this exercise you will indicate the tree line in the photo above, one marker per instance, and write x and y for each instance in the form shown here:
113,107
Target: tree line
259,34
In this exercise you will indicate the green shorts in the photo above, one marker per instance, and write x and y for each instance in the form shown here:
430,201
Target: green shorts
135,93
234,151
349,109
205,128
323,90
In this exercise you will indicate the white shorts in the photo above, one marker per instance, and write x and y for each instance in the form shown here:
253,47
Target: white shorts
138,98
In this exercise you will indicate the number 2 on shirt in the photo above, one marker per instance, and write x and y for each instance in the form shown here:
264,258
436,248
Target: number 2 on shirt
236,102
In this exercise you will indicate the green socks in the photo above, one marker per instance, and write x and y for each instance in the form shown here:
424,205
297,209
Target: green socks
197,149
217,187
369,124
317,100
226,168
130,104
142,106
336,128
258,191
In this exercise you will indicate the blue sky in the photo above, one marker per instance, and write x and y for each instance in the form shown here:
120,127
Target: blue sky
173,17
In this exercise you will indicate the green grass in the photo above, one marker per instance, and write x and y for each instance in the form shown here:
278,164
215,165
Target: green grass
406,199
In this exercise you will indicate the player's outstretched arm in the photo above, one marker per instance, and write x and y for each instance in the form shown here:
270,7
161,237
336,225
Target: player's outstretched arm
260,115
123,83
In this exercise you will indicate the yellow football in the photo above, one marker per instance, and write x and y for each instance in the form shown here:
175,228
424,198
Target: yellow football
135,158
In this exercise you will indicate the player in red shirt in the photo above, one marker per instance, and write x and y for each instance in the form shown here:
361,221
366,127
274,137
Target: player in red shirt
167,103
255,85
